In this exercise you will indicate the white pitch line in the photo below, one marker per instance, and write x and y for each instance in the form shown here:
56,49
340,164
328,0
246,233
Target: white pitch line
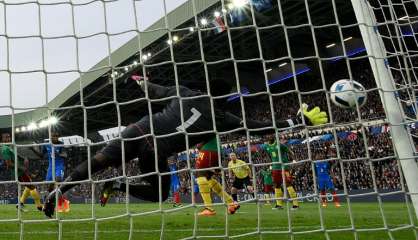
185,230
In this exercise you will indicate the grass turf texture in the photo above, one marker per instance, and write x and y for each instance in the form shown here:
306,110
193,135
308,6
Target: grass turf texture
179,223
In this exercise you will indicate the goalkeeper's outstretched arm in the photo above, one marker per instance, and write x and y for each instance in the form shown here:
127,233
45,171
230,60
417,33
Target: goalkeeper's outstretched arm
312,117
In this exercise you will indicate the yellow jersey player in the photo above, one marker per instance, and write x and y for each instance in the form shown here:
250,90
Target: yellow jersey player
240,174
208,157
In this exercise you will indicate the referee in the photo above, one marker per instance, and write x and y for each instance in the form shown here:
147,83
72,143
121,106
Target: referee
240,172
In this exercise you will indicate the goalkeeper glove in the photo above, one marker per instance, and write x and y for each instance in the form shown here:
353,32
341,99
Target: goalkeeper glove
314,116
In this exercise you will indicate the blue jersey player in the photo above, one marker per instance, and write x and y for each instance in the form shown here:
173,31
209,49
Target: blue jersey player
58,154
325,182
55,152
175,181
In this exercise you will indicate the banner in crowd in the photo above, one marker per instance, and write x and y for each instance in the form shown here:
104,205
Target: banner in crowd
356,196
347,135
379,129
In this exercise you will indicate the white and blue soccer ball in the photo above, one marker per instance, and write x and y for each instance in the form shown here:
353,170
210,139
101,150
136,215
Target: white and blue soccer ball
345,93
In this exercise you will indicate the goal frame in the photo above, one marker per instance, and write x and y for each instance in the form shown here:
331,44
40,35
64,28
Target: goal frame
403,144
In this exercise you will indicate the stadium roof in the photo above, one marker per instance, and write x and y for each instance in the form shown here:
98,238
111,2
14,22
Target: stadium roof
175,18
96,86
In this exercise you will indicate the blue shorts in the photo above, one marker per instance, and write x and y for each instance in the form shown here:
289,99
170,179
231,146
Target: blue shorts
325,183
59,172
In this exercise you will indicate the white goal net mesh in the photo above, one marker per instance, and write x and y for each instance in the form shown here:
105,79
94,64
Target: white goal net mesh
69,67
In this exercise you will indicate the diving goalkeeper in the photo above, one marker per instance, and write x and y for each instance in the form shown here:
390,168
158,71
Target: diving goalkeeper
169,130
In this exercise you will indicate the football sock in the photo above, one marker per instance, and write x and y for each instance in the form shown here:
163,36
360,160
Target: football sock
36,197
323,196
25,195
336,199
217,188
292,194
278,194
204,190
176,196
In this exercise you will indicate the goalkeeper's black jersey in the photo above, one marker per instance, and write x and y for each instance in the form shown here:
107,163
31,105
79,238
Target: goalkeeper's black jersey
197,118
170,129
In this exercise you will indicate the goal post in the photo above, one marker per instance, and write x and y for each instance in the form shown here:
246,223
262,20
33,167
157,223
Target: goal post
379,63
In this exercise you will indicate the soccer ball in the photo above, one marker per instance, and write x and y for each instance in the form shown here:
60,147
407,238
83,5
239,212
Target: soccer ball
345,93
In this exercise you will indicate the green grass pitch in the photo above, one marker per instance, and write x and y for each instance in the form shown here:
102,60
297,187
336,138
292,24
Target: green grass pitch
273,224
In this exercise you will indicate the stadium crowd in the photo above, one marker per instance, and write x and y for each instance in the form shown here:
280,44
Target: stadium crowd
356,164
357,167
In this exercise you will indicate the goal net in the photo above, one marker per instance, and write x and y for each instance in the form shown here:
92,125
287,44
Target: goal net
69,71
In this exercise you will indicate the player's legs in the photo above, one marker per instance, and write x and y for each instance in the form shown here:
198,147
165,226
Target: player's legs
330,186
23,197
99,162
322,190
63,202
216,187
267,190
37,198
26,191
293,195
291,189
52,186
249,186
278,192
110,155
176,198
278,177
204,189
148,189
175,189
107,191
206,183
236,185
234,193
